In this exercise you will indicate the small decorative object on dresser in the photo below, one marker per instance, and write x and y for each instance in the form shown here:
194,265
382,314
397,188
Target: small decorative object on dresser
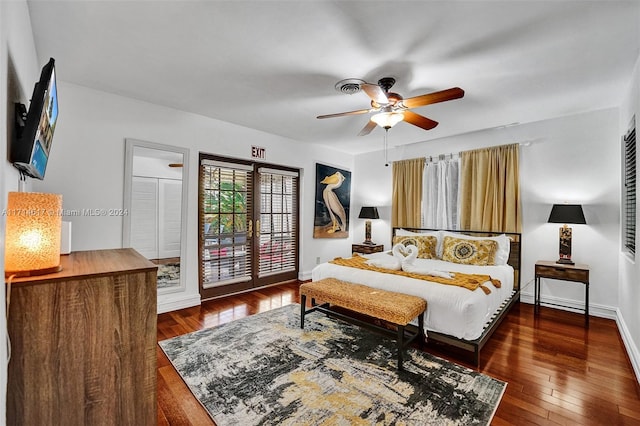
367,248
33,232
552,270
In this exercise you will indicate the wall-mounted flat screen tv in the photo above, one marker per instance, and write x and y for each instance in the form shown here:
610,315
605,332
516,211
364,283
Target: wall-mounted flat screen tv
29,151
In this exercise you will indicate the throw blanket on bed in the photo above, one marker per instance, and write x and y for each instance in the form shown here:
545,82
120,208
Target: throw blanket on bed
468,281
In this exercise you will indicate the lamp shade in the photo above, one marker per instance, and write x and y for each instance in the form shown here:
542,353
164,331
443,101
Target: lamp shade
567,213
33,234
369,213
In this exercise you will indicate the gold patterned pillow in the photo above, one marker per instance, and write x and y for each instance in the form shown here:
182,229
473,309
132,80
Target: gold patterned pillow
469,252
426,244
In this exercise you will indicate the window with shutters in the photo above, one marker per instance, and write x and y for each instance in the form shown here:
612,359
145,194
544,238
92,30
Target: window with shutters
629,191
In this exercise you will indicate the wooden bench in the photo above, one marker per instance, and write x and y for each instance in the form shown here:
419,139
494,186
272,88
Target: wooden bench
395,308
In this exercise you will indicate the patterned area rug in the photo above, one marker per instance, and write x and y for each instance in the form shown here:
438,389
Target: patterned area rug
265,370
168,275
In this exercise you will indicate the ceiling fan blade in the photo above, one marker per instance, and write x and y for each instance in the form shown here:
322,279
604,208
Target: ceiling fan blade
368,128
433,98
419,120
342,114
375,92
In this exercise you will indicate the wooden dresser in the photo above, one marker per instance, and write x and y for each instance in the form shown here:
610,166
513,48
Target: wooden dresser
83,342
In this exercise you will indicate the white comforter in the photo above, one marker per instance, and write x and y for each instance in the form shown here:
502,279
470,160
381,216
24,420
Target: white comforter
451,310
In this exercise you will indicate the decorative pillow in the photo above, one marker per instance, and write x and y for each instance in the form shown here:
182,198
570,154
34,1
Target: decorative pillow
504,245
437,234
469,252
426,244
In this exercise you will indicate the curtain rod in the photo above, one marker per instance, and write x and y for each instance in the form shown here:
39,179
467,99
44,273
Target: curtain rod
440,157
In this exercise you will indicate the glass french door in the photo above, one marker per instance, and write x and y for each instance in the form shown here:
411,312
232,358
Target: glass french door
277,226
248,224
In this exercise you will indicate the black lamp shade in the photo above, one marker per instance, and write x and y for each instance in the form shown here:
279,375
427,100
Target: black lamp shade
567,213
369,213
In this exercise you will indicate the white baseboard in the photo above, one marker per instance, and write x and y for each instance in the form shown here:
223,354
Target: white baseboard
179,302
570,305
304,276
629,344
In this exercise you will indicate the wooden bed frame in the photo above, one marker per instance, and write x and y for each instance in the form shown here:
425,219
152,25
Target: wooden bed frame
515,258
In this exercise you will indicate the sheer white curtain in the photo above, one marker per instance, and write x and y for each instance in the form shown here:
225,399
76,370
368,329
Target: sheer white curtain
440,194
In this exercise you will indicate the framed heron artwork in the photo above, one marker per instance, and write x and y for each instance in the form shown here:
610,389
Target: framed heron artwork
333,198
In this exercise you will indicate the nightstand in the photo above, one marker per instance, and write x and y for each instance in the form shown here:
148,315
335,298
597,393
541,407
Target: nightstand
366,248
564,272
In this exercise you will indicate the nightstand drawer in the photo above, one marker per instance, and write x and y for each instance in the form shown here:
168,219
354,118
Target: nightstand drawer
562,273
366,248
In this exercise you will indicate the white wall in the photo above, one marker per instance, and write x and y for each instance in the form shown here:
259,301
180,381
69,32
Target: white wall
86,166
372,180
629,292
576,159
18,73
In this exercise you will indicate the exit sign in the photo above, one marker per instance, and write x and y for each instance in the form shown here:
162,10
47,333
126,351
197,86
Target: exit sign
258,152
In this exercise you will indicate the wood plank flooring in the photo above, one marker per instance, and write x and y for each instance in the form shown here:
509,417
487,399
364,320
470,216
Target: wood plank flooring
558,372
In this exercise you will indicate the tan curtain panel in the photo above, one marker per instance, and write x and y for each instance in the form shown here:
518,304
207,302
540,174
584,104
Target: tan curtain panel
490,189
407,192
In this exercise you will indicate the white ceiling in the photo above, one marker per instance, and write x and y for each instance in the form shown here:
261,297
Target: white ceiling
272,65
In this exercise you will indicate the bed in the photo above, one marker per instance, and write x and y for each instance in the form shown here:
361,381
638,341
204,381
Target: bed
455,315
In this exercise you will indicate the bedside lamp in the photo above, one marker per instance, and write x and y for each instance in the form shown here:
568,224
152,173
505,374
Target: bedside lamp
566,213
33,234
368,213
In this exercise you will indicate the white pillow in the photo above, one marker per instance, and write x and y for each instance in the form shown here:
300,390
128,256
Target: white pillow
504,245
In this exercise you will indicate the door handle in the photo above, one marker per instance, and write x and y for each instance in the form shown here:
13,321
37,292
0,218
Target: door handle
250,230
258,228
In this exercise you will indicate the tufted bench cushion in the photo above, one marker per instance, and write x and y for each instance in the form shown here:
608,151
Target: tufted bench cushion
396,308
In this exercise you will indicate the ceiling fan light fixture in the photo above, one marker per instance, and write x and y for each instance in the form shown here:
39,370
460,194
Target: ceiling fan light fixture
391,108
386,120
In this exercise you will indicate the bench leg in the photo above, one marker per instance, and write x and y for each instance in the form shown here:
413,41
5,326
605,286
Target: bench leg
422,336
400,346
303,309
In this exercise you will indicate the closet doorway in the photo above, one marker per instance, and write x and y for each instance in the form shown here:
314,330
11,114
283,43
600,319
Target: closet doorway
248,225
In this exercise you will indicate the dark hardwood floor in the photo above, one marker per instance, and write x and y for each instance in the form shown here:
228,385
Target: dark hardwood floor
557,371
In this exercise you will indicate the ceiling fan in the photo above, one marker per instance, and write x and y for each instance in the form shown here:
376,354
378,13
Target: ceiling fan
392,108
